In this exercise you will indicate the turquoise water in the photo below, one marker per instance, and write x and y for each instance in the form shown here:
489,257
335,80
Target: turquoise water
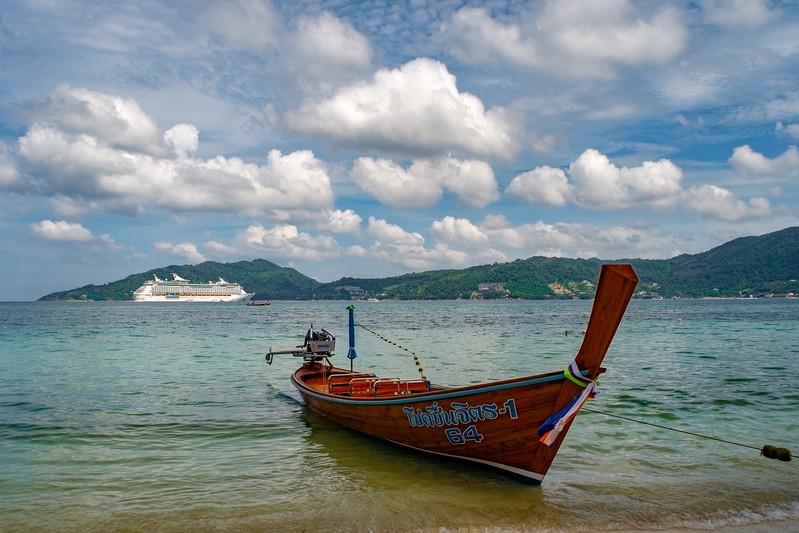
165,417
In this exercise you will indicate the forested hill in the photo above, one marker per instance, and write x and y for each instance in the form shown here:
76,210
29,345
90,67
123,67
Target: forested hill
268,280
756,266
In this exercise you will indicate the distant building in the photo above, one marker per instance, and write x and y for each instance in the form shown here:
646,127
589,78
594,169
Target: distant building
356,293
492,290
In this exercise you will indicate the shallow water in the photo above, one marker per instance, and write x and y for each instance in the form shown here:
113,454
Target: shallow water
165,417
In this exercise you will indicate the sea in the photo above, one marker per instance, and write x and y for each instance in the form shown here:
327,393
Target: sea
123,416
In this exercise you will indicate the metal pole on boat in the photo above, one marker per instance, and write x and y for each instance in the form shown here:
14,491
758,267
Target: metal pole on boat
351,353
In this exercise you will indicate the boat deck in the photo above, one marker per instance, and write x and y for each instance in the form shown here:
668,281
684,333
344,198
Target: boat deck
367,385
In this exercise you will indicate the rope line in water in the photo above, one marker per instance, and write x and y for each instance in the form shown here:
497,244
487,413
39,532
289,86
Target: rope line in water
415,357
768,451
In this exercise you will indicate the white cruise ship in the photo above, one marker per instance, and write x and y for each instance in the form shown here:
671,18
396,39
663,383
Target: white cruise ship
181,290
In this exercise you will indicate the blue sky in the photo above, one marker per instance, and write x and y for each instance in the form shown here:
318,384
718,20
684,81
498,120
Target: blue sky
372,139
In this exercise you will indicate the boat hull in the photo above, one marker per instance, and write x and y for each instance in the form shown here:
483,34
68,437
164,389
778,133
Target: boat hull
494,424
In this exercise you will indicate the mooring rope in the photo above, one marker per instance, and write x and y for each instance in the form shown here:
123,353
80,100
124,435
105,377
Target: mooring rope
415,357
768,451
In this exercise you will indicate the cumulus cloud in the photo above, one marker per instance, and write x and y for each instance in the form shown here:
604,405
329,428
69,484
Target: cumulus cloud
601,184
460,230
752,164
183,139
593,181
73,234
119,122
541,186
407,249
61,231
460,242
716,202
416,109
424,182
281,242
338,221
185,250
112,155
505,241
326,51
578,38
392,234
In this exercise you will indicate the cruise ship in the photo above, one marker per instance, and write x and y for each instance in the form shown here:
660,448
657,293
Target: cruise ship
178,289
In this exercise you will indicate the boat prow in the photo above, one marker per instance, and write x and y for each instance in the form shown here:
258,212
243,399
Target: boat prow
515,425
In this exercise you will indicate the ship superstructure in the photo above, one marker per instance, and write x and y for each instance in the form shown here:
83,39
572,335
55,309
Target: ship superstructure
179,289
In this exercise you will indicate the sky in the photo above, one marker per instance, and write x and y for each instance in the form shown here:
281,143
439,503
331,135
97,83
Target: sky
377,138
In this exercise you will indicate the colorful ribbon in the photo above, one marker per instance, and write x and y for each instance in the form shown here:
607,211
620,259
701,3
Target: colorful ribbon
552,426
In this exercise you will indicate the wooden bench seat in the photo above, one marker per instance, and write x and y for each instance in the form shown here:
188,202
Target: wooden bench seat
368,385
340,383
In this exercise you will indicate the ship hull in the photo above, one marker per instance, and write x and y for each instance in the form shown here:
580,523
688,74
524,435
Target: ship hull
193,299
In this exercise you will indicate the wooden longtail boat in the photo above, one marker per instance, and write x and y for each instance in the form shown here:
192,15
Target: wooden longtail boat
515,425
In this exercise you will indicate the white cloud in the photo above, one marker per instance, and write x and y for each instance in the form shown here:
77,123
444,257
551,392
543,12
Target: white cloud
357,251
460,242
600,184
593,181
250,24
393,185
578,38
406,249
473,181
752,164
71,156
326,51
416,109
738,14
10,177
339,221
62,231
501,231
282,242
74,236
458,230
424,182
565,239
119,122
541,186
791,130
392,234
183,139
716,202
184,250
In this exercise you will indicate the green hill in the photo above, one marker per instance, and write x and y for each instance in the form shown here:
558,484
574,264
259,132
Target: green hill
268,280
756,266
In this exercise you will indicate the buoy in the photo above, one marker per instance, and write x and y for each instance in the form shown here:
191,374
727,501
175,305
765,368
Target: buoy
772,452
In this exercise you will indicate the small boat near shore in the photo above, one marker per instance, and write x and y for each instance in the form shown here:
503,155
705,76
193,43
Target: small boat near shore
259,303
514,425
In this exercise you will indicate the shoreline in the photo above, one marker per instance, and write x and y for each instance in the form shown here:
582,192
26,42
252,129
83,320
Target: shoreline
775,526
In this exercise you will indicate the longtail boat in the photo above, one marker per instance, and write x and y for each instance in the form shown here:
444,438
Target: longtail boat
514,425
